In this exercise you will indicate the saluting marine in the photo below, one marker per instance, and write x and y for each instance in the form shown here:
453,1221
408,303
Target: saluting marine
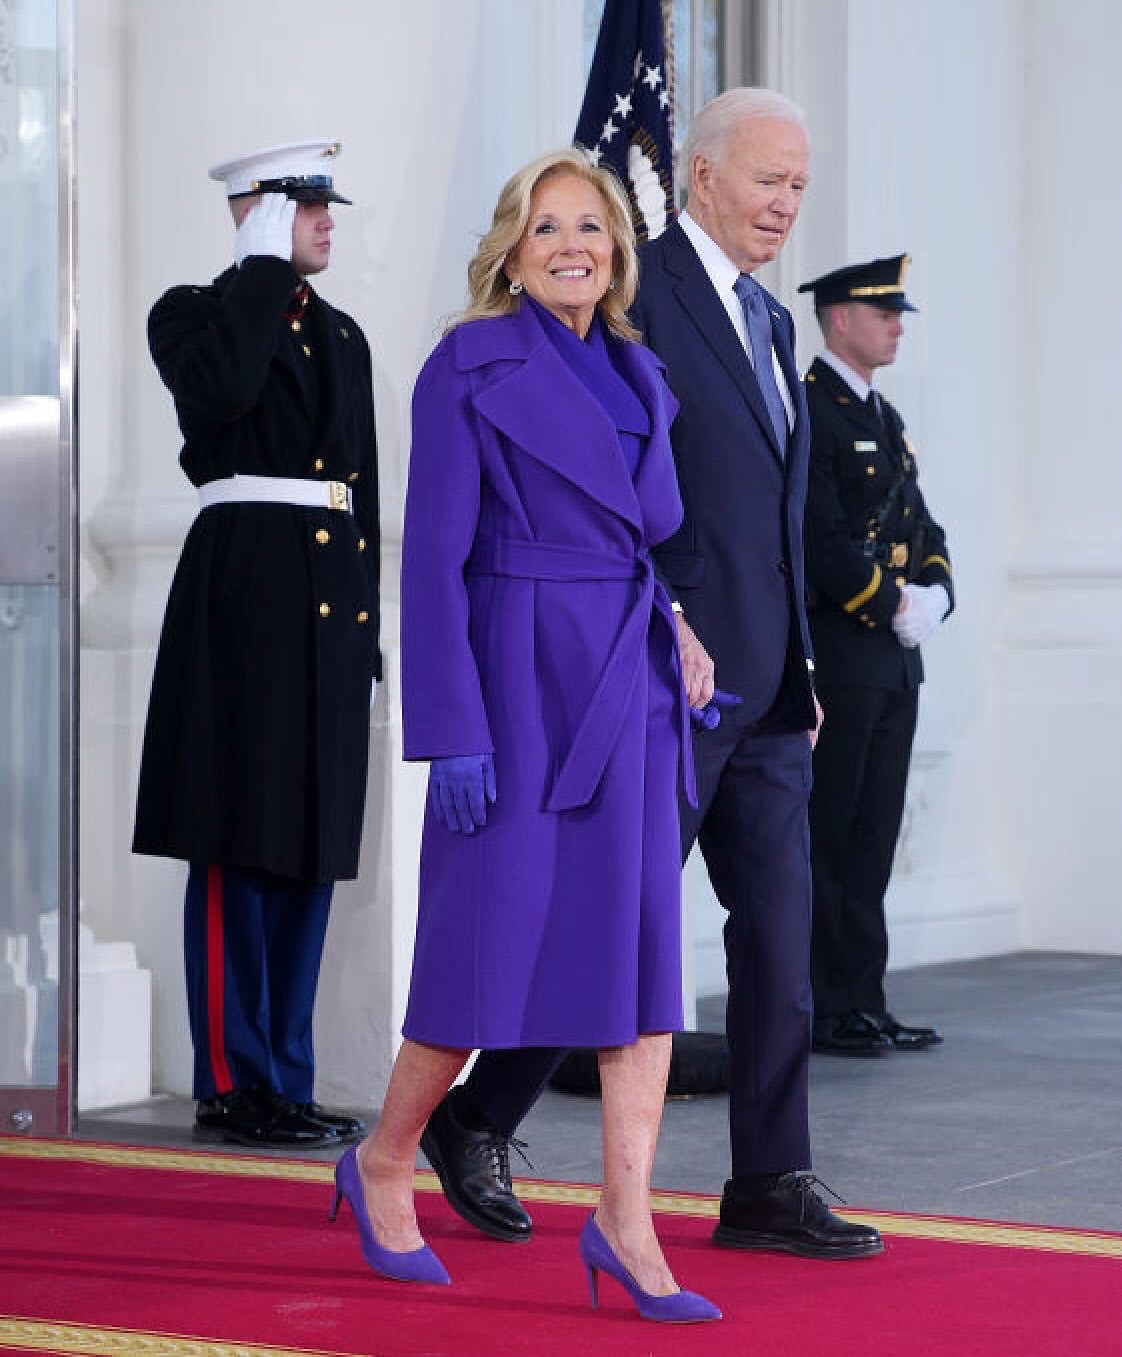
879,576
255,751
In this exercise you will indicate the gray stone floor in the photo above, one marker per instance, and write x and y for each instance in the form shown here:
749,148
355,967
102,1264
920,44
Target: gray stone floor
1017,1117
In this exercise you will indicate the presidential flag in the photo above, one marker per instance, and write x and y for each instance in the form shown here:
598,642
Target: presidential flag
627,119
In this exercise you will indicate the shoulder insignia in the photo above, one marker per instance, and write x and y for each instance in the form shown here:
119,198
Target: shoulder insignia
810,377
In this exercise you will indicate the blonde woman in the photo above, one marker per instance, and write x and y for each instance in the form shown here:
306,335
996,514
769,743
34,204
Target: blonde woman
541,678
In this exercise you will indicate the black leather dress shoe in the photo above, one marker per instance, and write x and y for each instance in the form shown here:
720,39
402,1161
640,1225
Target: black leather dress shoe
908,1038
852,1034
791,1218
474,1170
346,1128
258,1117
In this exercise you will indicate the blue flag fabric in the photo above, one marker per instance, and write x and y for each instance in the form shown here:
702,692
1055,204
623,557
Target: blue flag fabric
626,120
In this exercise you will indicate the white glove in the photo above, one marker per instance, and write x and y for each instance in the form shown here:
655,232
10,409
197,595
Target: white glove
266,229
927,605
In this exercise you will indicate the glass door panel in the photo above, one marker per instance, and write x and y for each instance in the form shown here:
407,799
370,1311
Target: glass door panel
37,910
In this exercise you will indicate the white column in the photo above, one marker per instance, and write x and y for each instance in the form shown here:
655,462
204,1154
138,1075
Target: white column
1058,724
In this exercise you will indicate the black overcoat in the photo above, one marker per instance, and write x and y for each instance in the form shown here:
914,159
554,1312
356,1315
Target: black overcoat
255,748
863,499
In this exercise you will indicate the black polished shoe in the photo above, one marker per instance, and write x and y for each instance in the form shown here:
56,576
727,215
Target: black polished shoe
852,1034
346,1128
908,1038
474,1170
258,1117
791,1218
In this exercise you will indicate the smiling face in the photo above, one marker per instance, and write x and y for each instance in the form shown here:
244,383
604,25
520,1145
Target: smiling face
748,197
564,259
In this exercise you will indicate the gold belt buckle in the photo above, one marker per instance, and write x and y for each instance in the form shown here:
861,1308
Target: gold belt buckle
899,557
338,495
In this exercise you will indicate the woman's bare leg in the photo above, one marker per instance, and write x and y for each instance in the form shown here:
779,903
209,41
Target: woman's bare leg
386,1159
633,1088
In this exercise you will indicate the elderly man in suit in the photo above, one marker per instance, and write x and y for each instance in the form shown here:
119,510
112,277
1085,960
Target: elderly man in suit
735,573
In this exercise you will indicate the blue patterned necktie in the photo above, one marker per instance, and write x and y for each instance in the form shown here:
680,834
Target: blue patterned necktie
759,335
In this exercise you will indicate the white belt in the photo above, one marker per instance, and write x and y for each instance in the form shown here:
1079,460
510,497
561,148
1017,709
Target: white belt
276,490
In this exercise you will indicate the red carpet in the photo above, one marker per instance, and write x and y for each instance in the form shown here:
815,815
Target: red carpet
106,1250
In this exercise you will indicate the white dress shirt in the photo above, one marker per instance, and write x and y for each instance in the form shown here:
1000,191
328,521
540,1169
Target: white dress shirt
856,383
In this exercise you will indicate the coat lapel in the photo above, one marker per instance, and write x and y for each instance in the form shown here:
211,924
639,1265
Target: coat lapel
694,289
854,411
781,339
656,483
537,402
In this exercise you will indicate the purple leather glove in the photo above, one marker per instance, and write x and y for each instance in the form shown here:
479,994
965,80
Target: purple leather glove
460,789
709,716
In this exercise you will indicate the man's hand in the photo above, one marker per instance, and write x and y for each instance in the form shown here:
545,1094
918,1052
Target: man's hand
922,607
697,667
460,789
266,229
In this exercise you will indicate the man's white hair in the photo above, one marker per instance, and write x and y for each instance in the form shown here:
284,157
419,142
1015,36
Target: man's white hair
711,128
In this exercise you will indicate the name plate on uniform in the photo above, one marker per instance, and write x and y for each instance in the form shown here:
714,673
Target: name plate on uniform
864,445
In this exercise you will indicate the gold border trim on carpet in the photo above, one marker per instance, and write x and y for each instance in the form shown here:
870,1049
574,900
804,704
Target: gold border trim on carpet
1047,1239
81,1340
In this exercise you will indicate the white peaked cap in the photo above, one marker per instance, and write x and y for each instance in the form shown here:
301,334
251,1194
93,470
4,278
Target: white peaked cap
302,170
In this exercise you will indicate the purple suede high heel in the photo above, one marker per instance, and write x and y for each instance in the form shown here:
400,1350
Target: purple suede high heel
418,1265
683,1307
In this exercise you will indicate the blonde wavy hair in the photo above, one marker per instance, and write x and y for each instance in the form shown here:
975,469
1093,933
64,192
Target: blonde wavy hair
489,287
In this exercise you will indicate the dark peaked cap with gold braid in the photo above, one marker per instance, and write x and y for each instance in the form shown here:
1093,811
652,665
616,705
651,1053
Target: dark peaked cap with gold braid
879,282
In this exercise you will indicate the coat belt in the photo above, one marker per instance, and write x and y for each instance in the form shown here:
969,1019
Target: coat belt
307,494
583,766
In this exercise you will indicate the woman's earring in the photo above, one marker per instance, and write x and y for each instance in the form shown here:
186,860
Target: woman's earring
515,289
612,285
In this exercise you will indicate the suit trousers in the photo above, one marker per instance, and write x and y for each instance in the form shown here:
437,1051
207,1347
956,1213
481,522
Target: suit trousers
252,945
751,827
860,779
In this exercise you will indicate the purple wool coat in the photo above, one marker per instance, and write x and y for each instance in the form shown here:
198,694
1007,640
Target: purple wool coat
532,626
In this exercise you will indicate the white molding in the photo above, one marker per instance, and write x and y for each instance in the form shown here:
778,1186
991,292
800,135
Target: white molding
1065,595
136,542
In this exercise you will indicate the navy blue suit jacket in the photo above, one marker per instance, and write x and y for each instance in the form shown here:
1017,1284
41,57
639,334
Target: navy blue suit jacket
736,563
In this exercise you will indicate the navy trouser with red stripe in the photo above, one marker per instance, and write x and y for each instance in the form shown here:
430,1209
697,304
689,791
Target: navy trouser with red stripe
252,944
